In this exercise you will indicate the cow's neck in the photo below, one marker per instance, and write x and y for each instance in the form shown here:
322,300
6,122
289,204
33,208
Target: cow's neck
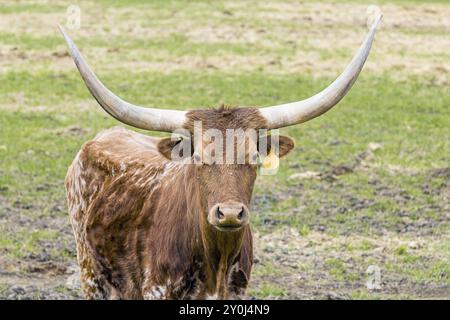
220,251
217,251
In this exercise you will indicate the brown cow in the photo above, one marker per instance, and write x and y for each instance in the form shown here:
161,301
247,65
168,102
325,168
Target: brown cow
149,227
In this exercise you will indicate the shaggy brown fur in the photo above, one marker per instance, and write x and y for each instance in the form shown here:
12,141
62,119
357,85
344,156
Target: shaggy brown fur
139,219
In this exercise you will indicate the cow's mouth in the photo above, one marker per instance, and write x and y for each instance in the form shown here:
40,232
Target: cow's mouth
228,228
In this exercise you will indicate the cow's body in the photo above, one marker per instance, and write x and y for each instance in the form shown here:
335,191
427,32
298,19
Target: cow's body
134,243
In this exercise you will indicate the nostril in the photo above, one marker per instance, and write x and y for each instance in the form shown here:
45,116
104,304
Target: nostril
241,213
219,213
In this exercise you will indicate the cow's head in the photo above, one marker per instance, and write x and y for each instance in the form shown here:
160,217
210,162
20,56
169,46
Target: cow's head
225,147
226,187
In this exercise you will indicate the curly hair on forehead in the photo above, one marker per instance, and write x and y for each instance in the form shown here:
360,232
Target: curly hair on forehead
226,117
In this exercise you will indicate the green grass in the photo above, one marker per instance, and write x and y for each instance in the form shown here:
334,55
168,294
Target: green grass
26,8
25,242
268,269
339,271
268,291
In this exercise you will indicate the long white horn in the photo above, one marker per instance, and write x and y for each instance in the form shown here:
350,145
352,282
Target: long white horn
301,111
139,117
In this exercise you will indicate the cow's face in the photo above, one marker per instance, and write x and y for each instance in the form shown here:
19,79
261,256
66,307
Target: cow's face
226,170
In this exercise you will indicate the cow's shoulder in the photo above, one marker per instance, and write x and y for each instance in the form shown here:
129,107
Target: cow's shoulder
118,149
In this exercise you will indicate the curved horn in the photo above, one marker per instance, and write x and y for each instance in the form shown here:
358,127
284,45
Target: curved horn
139,117
301,111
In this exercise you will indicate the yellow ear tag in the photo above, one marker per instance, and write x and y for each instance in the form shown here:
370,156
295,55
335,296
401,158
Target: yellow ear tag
271,161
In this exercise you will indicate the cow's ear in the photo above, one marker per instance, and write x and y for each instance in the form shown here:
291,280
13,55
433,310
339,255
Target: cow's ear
285,145
179,148
165,147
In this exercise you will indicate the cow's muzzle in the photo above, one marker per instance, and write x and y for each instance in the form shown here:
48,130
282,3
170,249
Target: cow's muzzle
229,216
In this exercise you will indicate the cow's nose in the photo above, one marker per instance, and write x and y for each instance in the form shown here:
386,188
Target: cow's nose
229,216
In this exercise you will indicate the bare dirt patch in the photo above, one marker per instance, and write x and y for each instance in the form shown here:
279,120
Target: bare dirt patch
326,267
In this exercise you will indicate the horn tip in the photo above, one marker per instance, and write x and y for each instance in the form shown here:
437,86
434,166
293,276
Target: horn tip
66,37
376,14
61,29
63,32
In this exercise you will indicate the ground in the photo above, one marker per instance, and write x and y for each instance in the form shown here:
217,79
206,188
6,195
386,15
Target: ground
363,199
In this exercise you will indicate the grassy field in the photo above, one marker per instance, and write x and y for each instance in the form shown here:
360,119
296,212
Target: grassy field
367,185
